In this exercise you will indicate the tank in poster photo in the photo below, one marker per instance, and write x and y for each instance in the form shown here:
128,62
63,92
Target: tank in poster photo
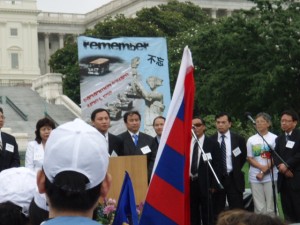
124,74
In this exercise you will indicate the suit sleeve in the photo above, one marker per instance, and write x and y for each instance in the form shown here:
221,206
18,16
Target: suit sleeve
243,147
16,157
154,148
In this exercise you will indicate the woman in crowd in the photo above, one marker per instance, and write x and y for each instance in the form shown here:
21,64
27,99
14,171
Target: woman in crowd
35,149
259,157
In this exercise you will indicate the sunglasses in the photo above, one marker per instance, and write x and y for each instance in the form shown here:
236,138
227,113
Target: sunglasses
198,124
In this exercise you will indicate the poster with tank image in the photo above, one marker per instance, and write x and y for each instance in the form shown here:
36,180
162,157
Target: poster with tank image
124,74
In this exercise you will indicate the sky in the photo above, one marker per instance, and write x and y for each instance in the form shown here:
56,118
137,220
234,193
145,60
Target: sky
70,6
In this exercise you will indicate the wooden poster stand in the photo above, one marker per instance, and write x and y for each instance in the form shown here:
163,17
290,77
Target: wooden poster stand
136,166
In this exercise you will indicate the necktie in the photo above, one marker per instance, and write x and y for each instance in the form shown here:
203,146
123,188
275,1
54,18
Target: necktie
135,138
223,149
287,137
194,166
1,145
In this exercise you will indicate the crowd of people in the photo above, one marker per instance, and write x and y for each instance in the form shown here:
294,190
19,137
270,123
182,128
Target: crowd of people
70,165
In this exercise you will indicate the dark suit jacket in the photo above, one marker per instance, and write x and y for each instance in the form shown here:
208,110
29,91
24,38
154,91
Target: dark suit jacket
144,140
9,156
206,178
114,144
237,161
291,156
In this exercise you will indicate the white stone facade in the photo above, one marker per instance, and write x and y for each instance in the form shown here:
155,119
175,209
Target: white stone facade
28,37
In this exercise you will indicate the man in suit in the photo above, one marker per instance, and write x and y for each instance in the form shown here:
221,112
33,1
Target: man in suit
9,153
158,125
202,181
288,148
136,142
233,157
101,121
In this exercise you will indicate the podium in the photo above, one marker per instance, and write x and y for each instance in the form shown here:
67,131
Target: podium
136,166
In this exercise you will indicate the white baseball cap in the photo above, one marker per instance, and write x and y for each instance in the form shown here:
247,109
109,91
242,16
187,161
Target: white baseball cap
79,147
18,185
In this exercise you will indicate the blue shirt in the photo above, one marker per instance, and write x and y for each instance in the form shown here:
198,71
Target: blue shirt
70,220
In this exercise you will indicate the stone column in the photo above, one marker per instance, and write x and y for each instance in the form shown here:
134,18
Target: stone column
61,40
228,12
214,13
47,52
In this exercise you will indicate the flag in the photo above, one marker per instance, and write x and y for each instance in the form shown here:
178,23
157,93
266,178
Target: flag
126,210
167,200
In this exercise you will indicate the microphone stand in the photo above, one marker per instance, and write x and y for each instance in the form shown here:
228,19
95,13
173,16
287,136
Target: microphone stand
273,153
206,159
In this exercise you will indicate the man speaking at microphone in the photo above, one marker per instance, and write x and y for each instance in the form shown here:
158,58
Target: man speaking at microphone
234,153
202,182
288,148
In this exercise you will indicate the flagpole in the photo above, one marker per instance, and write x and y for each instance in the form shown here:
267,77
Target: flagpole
207,160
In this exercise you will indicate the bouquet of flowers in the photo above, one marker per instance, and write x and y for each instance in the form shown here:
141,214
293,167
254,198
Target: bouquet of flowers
105,212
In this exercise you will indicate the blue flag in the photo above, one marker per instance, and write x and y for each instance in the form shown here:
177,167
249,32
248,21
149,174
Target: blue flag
126,209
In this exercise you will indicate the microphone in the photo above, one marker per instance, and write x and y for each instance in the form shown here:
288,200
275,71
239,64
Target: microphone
250,117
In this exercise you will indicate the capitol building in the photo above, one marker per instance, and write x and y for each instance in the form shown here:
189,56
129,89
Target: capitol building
29,89
28,36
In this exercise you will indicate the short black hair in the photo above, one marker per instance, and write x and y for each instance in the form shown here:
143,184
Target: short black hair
200,118
42,122
129,113
223,114
11,214
158,117
1,110
291,113
68,192
94,113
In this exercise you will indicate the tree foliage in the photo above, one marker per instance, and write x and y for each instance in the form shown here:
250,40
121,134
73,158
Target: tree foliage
65,61
252,61
246,62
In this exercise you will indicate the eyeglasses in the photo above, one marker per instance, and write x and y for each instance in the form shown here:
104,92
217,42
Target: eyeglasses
198,124
2,117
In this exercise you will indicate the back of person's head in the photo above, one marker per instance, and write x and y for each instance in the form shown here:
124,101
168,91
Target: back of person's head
232,217
242,217
262,219
75,164
11,214
41,123
17,186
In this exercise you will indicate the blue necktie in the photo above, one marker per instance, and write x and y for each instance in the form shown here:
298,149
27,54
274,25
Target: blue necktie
135,138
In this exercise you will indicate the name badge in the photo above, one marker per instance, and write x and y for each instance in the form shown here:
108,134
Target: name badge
237,151
145,150
290,144
208,157
9,147
113,154
37,156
